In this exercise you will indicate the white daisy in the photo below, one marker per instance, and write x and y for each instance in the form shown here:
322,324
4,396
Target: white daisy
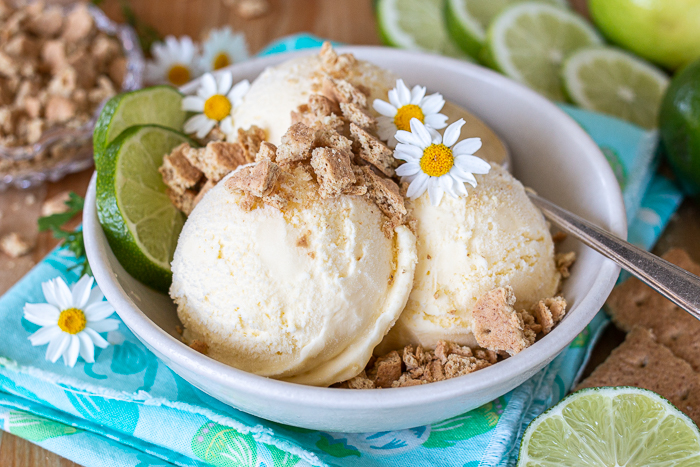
215,100
71,320
404,105
436,163
223,48
174,62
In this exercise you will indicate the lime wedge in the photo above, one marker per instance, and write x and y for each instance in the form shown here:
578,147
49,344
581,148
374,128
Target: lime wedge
416,25
159,105
621,426
614,82
141,224
468,20
528,42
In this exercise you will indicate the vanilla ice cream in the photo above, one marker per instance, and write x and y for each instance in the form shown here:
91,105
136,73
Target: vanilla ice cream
302,294
468,246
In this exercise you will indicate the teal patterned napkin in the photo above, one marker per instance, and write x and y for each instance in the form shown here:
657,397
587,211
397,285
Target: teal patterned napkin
129,409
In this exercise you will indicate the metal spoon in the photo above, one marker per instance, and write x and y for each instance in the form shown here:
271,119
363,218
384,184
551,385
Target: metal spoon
674,283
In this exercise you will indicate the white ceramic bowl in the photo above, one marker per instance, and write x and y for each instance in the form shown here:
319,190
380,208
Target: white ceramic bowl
551,154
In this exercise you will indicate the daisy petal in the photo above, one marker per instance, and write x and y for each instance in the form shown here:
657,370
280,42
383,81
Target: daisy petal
447,184
57,346
435,192
406,137
207,86
226,125
437,137
408,169
96,296
206,128
96,338
417,94
384,108
432,104
98,311
49,290
63,294
105,325
193,104
422,133
237,92
394,98
195,123
81,291
472,164
42,311
463,176
87,348
418,186
452,133
385,128
403,92
408,150
45,334
437,121
459,186
224,84
70,357
467,147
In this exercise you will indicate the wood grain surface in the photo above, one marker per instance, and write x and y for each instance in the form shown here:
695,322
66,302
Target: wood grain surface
348,21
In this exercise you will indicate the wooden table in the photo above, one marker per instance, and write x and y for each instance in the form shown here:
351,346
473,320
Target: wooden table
348,21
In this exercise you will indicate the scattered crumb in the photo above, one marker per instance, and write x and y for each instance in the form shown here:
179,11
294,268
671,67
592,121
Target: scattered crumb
358,116
184,201
177,171
548,313
296,144
372,150
56,204
496,325
200,346
267,151
559,237
258,180
564,261
13,245
333,170
179,329
340,90
250,9
250,140
334,64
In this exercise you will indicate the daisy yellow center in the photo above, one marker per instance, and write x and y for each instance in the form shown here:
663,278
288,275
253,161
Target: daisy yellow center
437,160
221,61
72,320
178,75
403,116
217,107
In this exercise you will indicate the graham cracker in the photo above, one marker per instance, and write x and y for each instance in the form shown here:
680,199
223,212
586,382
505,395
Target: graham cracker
634,303
643,362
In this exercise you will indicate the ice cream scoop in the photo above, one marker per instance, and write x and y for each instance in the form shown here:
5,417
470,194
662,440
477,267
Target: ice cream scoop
467,247
302,294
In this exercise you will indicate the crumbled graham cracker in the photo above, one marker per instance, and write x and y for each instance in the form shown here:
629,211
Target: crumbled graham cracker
258,180
203,191
496,325
334,64
564,261
355,190
247,202
275,200
217,159
184,201
634,303
250,140
559,237
319,109
14,246
250,9
267,151
340,90
200,346
326,137
370,149
643,362
548,313
177,171
386,370
297,144
357,115
383,192
360,381
333,171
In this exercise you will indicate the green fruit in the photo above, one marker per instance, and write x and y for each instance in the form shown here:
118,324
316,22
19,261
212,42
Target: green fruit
468,20
621,426
141,224
679,124
666,32
608,80
158,105
529,41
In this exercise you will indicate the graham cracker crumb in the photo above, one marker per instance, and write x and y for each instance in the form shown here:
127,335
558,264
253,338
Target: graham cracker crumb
564,261
184,201
56,204
250,140
559,237
275,200
200,346
203,191
643,362
333,170
251,9
247,202
360,381
217,159
14,246
496,325
383,192
177,171
328,137
548,313
267,151
179,329
334,64
387,370
340,90
258,180
297,144
357,115
370,149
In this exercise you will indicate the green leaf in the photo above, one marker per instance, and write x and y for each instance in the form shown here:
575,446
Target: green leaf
447,433
37,429
282,458
336,448
54,221
223,446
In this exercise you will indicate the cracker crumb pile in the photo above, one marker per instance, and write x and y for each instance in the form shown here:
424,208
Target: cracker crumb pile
14,246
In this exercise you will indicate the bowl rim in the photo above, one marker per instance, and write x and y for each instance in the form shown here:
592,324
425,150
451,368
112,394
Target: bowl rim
498,375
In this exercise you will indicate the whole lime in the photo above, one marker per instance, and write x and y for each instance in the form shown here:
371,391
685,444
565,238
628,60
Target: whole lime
679,124
664,31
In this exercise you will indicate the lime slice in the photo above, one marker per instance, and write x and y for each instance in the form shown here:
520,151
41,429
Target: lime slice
614,82
159,105
528,42
468,20
621,426
141,224
416,25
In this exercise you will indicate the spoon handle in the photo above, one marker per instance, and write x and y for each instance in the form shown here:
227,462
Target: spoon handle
674,283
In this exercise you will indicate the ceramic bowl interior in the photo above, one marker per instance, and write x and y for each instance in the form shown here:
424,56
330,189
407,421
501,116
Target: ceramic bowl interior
550,153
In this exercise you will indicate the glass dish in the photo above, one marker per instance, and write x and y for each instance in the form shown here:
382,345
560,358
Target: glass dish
64,150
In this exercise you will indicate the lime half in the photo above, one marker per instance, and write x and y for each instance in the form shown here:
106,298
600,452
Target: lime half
141,224
529,41
468,20
614,82
621,426
159,105
416,25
